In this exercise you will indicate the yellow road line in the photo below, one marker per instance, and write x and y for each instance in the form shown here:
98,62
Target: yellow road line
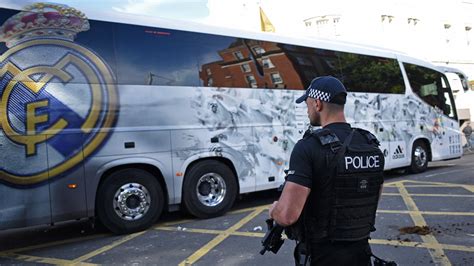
392,184
266,206
427,212
51,244
458,248
469,187
420,245
215,232
436,251
433,185
175,222
35,259
249,209
221,237
432,195
192,230
430,182
372,241
108,247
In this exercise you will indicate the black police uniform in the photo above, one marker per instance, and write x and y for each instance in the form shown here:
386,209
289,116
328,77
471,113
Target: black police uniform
338,224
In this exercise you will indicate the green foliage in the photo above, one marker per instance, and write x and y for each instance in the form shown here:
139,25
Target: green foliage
363,73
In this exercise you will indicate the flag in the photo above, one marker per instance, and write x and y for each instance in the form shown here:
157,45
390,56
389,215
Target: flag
265,23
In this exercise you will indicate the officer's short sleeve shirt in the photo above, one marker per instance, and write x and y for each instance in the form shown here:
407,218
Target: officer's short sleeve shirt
307,161
301,169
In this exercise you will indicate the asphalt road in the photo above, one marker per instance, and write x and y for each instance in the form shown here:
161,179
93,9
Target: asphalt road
442,199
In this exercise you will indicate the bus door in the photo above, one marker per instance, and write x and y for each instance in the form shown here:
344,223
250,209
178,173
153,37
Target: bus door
441,118
68,187
449,120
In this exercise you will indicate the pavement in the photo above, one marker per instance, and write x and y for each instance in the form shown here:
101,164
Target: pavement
422,219
467,151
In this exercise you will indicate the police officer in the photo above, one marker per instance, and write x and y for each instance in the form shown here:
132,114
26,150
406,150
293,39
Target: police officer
333,183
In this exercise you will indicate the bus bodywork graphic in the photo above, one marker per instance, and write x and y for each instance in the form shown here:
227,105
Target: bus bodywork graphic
39,78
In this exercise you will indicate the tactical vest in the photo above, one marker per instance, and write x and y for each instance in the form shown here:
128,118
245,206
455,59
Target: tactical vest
344,203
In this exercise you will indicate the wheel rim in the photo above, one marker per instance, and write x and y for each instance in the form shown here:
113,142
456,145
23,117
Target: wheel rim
132,201
211,189
420,156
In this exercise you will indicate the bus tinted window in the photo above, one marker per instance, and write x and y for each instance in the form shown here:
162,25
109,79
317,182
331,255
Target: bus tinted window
160,57
226,62
99,38
311,62
363,73
245,63
430,85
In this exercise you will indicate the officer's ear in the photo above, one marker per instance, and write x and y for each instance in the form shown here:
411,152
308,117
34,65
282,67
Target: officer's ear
319,105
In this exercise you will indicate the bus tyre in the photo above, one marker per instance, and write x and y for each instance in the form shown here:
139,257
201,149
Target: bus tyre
129,200
209,189
419,158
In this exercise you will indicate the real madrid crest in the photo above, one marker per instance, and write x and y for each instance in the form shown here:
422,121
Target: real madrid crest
58,99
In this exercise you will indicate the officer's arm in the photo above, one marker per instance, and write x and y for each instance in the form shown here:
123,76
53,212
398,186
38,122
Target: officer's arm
288,208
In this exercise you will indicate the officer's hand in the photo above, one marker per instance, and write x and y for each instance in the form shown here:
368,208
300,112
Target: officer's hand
271,209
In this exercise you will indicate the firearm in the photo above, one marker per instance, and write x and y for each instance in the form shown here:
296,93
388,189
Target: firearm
272,240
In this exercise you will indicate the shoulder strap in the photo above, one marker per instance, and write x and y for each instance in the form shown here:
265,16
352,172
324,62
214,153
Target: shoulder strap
341,150
327,137
371,138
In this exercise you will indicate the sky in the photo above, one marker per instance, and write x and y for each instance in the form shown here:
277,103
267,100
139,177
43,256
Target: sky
287,16
241,14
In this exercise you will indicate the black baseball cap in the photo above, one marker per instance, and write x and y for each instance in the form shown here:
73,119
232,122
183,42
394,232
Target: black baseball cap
327,89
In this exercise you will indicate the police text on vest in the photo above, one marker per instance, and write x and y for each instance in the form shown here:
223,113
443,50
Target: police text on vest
363,162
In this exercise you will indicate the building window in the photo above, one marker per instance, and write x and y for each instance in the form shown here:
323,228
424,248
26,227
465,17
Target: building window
239,55
208,71
322,21
276,78
246,68
258,50
251,81
387,18
267,63
210,82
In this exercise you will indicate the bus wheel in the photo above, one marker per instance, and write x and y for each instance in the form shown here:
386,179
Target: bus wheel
419,157
209,189
129,200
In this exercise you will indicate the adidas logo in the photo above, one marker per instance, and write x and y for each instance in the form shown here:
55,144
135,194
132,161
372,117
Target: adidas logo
398,154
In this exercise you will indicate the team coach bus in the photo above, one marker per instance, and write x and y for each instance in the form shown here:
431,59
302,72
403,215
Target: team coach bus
121,117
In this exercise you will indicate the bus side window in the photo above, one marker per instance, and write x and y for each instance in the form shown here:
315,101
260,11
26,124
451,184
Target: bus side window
372,74
431,86
312,62
246,63
155,56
